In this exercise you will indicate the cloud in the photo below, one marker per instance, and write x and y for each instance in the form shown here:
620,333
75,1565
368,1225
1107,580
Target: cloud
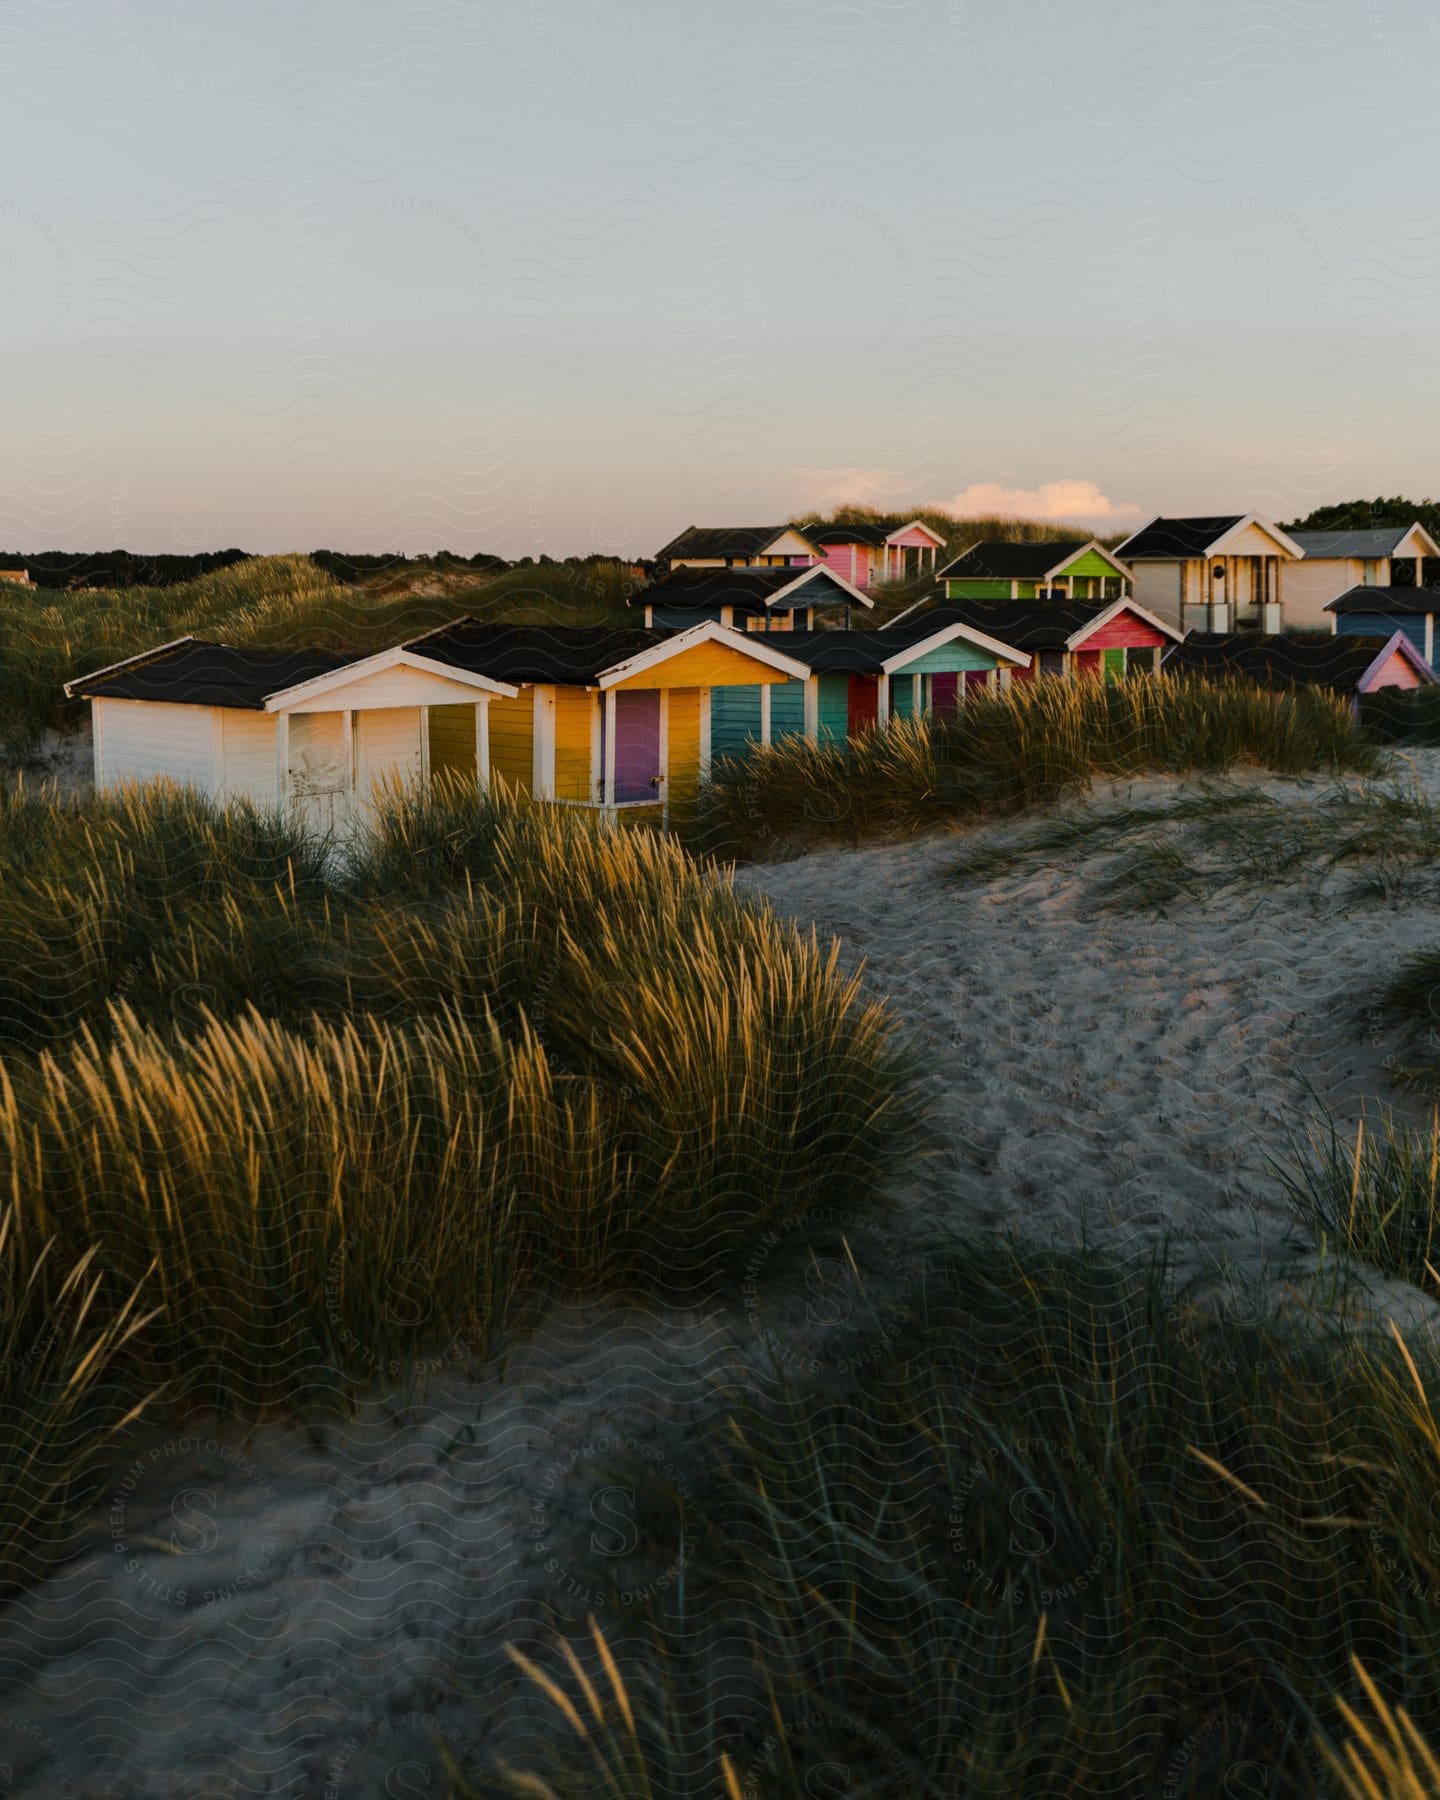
1065,500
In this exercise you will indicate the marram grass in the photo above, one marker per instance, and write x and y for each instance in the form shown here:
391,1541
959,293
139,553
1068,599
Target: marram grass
1002,753
503,1049
1069,1533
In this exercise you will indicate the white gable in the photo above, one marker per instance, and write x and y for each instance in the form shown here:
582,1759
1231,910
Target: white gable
789,543
395,686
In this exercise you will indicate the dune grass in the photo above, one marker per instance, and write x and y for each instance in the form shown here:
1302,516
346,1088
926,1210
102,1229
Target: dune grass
49,637
499,1047
1375,1197
1073,1535
1003,753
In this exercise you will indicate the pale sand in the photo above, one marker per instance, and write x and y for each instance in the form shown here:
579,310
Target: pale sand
292,1617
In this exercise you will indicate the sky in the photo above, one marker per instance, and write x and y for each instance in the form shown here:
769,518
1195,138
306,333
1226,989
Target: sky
563,276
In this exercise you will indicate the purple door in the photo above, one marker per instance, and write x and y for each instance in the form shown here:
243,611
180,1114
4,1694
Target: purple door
943,692
637,746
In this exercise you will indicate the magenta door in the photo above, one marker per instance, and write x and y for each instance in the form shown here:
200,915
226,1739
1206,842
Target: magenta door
637,746
943,693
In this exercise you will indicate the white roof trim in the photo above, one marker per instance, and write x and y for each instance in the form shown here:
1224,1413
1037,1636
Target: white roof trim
1120,549
820,568
1429,548
1077,638
115,667
915,525
1213,548
1084,550
1401,643
285,699
947,634
1270,529
708,631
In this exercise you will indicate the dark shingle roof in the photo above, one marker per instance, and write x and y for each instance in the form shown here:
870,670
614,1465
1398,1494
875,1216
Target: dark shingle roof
1008,562
750,589
198,672
875,535
1375,543
1336,663
1386,601
1025,624
722,540
568,654
1177,537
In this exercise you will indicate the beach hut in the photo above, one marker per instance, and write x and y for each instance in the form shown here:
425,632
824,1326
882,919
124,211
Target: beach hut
1052,571
1351,666
855,681
869,554
1215,573
587,715
308,728
738,547
610,717
1063,637
1334,562
751,599
1380,611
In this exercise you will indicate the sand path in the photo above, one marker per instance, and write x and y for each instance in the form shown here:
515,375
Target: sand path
296,1612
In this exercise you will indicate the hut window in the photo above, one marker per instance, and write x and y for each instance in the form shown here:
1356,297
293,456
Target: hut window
1052,662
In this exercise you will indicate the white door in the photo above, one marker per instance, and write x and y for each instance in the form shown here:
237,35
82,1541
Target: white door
389,748
319,769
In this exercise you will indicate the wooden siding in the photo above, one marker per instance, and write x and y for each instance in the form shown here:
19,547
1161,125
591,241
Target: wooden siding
1374,625
948,659
844,560
574,724
512,740
832,712
388,690
914,539
1123,631
734,720
683,772
1091,563
977,589
388,746
248,748
138,740
787,710
1306,586
1394,672
706,665
1156,586
452,741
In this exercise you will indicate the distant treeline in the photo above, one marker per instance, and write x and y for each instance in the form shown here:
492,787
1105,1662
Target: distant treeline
129,568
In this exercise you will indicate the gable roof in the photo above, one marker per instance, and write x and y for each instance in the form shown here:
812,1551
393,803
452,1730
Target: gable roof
195,671
749,590
874,535
1031,624
581,655
1385,540
885,649
995,560
1340,664
1386,600
725,540
299,694
1179,539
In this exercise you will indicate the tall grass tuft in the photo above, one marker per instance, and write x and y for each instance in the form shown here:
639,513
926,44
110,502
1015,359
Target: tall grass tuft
1376,1198
498,1047
1073,1534
1005,752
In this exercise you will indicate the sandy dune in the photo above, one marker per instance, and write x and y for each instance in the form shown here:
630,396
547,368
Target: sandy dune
295,1613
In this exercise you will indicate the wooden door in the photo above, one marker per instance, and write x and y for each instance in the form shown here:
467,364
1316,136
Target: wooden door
864,704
